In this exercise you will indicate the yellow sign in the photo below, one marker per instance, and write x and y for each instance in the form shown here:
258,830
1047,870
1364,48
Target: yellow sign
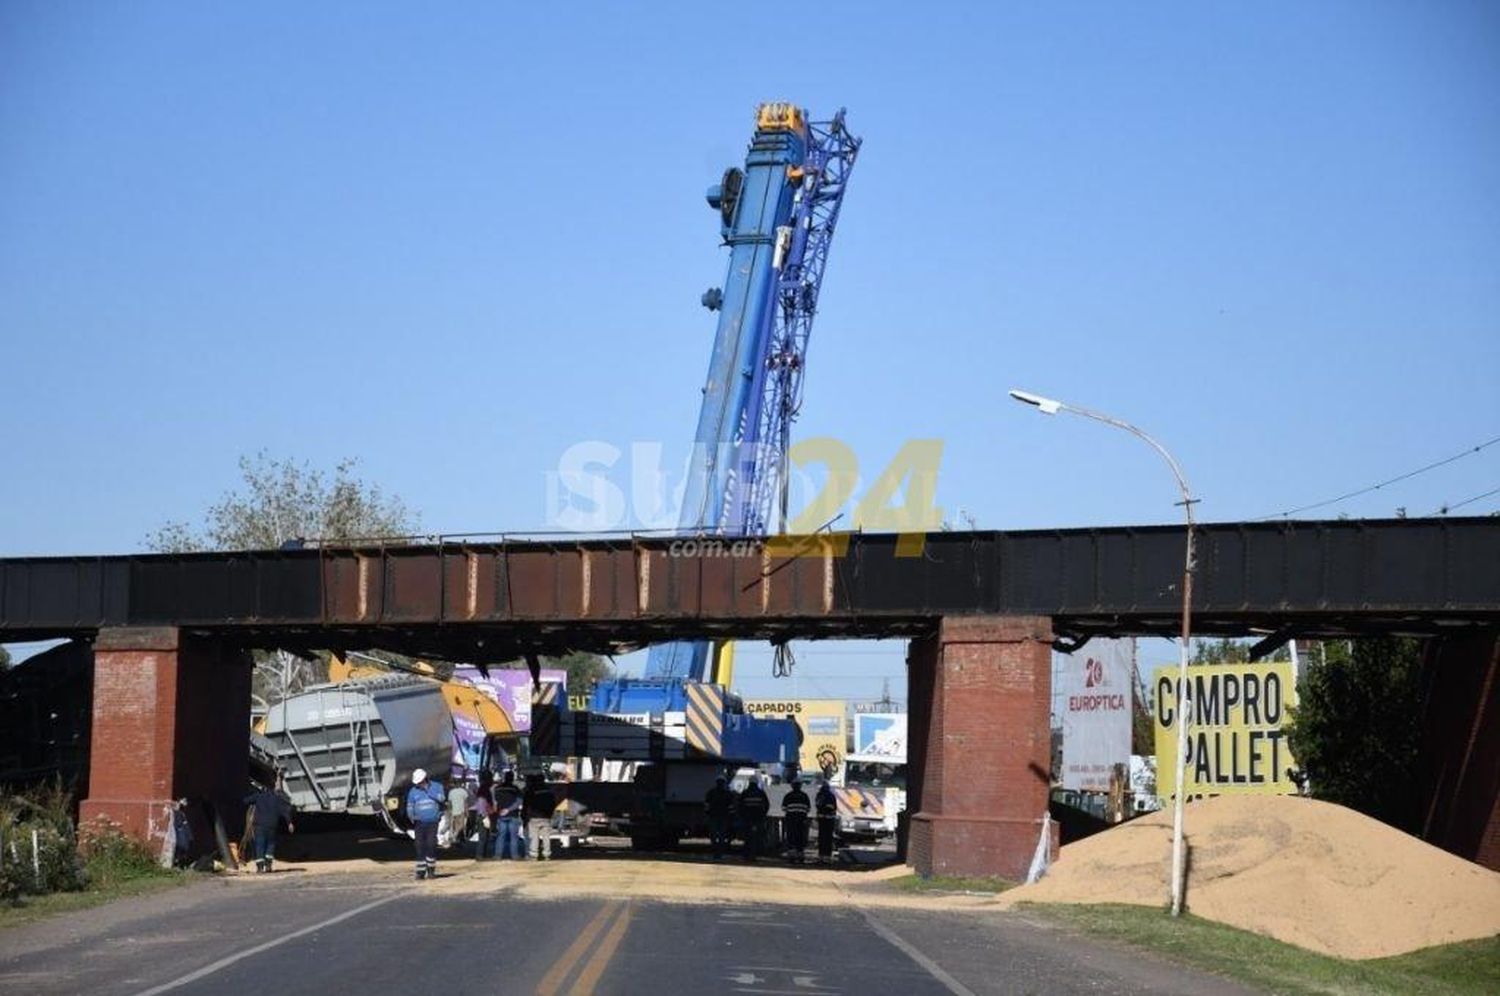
1236,741
822,725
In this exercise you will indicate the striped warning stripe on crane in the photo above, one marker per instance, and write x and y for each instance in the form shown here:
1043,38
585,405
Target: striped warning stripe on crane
705,718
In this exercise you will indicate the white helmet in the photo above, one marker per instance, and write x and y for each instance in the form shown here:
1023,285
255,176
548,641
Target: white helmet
419,776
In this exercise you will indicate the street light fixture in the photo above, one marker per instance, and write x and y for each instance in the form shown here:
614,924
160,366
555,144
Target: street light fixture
1050,406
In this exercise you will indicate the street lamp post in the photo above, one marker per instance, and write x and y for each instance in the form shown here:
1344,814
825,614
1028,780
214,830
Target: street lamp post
1049,406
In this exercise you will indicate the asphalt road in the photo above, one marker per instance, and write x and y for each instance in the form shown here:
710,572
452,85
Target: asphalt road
328,934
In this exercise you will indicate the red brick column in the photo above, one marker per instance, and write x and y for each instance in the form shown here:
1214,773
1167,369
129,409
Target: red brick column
171,720
980,691
1461,746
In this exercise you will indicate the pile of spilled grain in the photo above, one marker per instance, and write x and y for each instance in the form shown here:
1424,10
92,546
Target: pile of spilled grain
1305,872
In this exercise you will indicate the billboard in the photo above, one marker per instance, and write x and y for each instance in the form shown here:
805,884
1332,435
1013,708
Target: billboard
1236,742
822,725
880,736
511,687
1095,685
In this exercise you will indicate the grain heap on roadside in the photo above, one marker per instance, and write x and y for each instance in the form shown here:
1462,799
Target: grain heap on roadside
1305,872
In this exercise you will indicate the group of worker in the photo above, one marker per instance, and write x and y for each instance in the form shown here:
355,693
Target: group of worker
508,821
747,810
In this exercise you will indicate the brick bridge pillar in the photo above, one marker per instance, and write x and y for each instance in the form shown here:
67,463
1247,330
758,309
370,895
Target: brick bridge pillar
1461,745
979,745
171,720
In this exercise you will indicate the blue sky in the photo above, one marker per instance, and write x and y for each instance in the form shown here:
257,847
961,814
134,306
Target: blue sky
454,242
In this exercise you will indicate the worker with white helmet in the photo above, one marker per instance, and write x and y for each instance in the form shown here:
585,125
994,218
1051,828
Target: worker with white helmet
424,807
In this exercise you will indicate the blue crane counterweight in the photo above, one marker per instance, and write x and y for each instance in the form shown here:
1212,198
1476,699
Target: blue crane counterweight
778,216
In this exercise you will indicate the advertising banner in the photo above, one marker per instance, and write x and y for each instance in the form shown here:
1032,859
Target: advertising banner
511,688
822,724
880,737
1236,741
1095,700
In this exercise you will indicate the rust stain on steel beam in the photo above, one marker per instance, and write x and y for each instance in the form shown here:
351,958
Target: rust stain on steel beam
672,586
543,585
351,587
614,584
585,581
362,589
716,588
471,584
828,578
642,559
413,589
459,600
608,585
567,570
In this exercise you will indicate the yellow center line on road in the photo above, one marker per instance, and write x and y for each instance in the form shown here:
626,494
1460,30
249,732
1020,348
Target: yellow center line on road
589,977
552,982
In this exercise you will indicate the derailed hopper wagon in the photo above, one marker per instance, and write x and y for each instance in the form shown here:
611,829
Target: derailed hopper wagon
348,747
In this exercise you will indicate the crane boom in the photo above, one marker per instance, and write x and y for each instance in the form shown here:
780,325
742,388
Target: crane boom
778,216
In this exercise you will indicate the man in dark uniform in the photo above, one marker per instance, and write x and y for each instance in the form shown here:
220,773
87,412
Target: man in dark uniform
271,810
795,807
828,819
718,804
754,805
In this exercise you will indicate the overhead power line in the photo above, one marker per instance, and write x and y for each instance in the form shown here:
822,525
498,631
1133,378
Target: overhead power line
1376,487
1445,509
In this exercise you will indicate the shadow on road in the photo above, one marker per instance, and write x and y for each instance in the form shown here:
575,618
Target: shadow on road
327,838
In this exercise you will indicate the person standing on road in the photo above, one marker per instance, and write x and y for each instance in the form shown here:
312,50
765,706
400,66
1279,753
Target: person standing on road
271,807
458,814
827,805
795,807
483,807
536,808
718,804
424,807
508,816
754,805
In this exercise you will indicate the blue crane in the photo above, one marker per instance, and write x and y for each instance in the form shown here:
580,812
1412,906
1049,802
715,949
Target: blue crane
681,722
778,215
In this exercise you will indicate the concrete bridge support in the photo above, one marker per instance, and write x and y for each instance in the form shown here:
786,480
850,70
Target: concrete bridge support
171,720
979,753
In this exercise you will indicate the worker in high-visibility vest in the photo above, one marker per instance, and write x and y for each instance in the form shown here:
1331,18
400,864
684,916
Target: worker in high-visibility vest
425,801
718,805
753,807
828,819
795,807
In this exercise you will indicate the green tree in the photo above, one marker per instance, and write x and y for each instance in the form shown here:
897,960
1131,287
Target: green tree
281,500
1221,651
1356,731
585,670
4,658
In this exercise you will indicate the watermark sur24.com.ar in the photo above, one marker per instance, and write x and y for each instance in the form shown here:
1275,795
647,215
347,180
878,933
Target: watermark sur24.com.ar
600,487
